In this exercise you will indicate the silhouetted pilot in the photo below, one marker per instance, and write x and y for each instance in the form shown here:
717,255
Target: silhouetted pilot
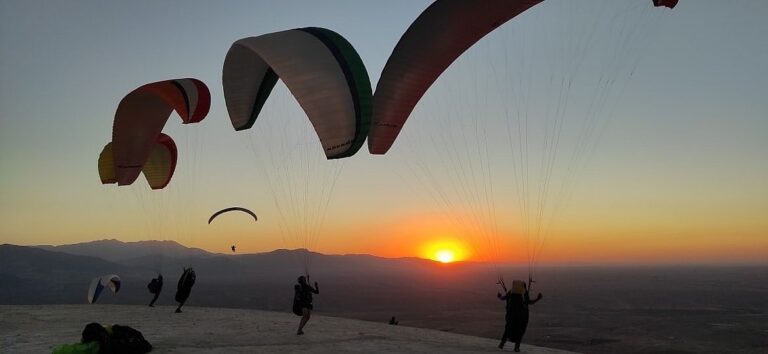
302,301
517,312
155,287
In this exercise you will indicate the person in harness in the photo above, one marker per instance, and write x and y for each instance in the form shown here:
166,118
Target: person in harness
155,287
302,301
184,287
517,300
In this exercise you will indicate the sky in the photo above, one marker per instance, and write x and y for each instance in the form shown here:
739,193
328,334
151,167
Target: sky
676,174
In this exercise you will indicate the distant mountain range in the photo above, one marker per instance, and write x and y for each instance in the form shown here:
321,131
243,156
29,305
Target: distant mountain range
116,251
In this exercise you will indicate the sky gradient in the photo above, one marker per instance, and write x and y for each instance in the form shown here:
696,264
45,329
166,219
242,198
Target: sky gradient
678,175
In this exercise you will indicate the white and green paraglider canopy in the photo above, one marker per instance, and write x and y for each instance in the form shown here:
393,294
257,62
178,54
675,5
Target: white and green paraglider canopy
320,68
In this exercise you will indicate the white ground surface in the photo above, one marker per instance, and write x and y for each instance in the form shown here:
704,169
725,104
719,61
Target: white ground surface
37,329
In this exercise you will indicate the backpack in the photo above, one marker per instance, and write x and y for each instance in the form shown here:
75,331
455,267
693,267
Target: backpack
298,300
187,280
191,279
126,340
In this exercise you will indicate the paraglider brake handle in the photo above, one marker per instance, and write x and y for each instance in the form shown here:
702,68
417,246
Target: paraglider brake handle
501,282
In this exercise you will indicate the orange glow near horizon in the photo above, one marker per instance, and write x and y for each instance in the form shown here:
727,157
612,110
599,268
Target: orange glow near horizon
646,238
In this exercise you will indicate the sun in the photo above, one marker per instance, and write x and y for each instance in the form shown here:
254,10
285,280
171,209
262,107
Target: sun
444,250
445,256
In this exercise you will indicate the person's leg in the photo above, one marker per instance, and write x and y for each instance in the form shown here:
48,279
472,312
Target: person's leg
306,313
504,337
522,333
152,304
178,309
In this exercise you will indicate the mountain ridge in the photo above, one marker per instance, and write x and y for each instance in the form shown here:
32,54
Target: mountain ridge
116,250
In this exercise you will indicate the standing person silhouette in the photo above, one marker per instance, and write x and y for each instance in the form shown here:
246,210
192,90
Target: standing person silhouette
302,301
517,311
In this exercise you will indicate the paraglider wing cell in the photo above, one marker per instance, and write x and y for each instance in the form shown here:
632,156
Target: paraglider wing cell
107,165
94,290
161,163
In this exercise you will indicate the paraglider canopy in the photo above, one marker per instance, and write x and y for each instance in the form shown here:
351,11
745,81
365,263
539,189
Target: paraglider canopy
98,285
226,210
320,68
141,116
666,3
422,54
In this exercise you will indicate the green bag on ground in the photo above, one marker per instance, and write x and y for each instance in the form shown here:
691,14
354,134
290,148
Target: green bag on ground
78,348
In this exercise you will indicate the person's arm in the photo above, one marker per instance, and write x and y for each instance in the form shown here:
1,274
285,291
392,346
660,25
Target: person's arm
506,295
531,302
316,289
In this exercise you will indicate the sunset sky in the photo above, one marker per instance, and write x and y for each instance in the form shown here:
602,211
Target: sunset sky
679,174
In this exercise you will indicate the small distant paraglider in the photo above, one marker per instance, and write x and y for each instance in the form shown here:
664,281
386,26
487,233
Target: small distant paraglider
98,285
226,210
